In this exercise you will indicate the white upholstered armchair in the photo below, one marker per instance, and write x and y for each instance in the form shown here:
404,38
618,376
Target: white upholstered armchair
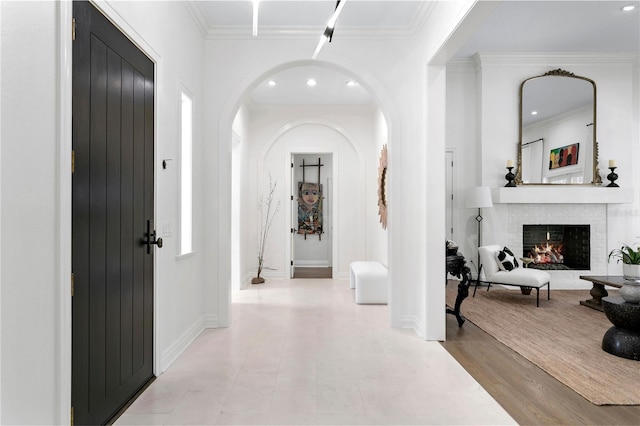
494,263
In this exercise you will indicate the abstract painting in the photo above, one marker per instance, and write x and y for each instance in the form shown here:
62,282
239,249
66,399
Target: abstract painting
564,156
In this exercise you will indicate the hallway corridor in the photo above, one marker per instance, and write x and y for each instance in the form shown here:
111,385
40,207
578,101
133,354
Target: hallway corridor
302,352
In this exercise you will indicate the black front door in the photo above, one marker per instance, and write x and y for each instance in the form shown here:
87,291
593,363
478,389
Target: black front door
113,199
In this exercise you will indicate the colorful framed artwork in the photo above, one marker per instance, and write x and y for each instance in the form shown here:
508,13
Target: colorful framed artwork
564,156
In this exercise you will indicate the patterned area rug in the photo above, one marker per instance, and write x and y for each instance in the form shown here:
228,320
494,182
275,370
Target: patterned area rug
562,337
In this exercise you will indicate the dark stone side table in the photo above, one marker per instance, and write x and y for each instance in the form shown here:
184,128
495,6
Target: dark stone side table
623,339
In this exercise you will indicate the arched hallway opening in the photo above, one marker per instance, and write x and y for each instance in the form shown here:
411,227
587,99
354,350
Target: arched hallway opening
268,130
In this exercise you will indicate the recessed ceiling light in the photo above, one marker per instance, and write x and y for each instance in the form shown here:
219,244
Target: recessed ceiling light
534,112
272,83
628,8
351,83
311,82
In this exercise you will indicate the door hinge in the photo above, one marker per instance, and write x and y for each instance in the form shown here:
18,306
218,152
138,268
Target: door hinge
73,29
292,198
71,420
73,278
73,161
292,263
292,165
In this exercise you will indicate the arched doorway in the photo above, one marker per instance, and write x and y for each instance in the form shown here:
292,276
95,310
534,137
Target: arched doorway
271,128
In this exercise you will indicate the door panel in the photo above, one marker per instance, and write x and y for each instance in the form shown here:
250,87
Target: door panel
113,141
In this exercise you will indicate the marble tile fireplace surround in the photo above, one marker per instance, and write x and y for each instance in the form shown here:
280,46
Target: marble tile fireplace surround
594,215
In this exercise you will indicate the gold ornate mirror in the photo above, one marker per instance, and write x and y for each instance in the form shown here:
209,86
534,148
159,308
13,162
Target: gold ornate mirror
557,140
382,187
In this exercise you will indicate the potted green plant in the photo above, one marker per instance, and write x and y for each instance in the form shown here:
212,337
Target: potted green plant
630,257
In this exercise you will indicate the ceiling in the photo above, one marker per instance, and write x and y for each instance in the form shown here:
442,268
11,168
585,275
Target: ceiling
514,26
309,17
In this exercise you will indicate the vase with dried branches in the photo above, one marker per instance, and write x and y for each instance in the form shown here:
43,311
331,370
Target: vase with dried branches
268,211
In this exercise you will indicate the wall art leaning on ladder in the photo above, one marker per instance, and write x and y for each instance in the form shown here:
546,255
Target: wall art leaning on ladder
310,204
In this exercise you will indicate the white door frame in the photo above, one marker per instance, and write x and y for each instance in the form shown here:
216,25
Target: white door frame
334,205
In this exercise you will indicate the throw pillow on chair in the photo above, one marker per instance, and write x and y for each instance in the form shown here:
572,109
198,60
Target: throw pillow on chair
506,259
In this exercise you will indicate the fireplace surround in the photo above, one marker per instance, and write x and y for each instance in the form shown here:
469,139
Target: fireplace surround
595,215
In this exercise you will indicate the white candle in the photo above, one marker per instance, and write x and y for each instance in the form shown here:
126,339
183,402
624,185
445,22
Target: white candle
510,163
612,163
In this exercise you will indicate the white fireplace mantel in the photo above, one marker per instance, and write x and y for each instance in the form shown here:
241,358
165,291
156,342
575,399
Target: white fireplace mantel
562,194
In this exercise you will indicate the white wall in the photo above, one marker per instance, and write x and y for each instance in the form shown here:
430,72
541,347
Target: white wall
377,237
497,93
396,75
29,176
242,266
35,374
276,133
266,150
189,296
462,107
180,312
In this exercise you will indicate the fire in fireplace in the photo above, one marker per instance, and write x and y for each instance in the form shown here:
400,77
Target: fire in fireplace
548,252
557,247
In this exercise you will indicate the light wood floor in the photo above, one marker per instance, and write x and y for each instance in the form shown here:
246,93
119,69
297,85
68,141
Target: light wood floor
527,393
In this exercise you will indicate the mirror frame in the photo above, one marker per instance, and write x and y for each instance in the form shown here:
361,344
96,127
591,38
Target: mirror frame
596,180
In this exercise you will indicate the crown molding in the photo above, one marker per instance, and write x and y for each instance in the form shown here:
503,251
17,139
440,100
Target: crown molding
198,16
237,32
537,58
462,65
420,18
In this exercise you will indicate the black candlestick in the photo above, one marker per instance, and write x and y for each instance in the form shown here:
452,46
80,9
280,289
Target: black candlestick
612,178
510,177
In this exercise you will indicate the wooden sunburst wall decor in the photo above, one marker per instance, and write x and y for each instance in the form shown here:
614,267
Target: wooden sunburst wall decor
382,187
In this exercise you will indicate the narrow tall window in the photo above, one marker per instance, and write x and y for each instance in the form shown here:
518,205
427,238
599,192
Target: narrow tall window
186,176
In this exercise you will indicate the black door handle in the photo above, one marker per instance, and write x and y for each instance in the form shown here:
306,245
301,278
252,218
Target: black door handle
150,237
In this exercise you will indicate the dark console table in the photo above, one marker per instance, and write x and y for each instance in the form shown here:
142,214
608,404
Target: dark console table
623,339
598,291
456,266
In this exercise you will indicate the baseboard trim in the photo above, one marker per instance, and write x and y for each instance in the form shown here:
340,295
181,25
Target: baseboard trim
210,321
171,354
246,280
411,322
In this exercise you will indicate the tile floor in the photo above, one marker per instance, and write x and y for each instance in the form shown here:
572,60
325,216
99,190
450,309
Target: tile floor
302,352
